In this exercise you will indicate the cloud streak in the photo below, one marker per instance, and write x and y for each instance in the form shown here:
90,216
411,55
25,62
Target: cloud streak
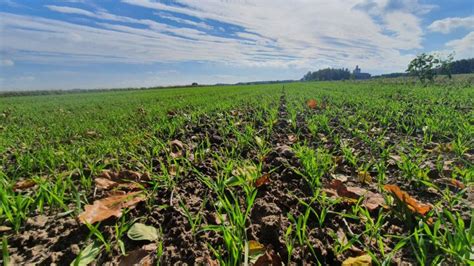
449,24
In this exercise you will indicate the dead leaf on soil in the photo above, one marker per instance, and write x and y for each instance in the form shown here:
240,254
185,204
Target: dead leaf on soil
292,138
340,177
24,184
255,247
210,262
111,206
312,104
364,177
263,180
364,260
104,183
452,182
410,202
270,257
371,200
137,257
177,148
123,179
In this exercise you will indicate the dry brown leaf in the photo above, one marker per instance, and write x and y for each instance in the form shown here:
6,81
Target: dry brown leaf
104,183
211,262
292,138
123,179
452,182
137,257
371,200
312,104
263,180
177,148
24,184
410,202
111,206
269,258
364,260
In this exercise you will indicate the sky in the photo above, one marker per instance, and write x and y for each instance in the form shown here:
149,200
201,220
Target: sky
53,44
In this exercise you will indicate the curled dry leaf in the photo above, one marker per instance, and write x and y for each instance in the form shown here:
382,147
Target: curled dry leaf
24,184
177,148
312,104
292,138
108,207
410,202
263,180
364,260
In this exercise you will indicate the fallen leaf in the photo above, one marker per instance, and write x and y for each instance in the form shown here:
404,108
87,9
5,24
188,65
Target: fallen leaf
452,182
111,206
210,262
371,200
140,231
255,247
395,158
364,260
177,148
292,138
24,184
87,255
410,202
123,179
268,258
104,183
340,177
136,257
364,177
312,104
263,180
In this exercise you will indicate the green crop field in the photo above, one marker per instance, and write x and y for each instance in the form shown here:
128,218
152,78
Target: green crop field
299,173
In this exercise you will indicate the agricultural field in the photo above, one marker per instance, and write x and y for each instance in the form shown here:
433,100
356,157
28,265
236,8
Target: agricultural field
324,173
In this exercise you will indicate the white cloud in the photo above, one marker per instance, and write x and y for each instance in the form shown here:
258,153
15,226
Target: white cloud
449,24
268,33
463,48
7,62
70,10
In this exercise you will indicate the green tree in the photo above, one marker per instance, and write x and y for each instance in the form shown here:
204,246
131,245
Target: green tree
426,66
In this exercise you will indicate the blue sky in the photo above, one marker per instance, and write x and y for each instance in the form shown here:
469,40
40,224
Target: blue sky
52,44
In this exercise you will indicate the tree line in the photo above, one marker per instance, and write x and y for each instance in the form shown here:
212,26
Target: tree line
333,74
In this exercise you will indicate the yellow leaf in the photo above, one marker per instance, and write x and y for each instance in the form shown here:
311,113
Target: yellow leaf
364,260
255,247
364,177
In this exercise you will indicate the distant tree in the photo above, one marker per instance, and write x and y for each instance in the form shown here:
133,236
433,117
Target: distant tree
426,67
194,84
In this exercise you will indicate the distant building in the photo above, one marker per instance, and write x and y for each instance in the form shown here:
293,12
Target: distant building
357,73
